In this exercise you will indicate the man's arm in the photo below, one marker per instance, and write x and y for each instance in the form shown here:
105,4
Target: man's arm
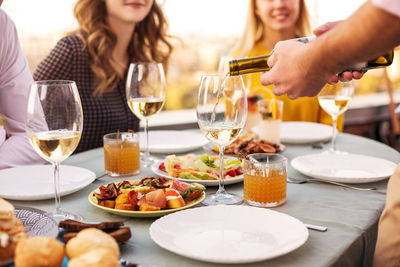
303,69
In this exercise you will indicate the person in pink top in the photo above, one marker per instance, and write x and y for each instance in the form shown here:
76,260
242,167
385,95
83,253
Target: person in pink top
15,81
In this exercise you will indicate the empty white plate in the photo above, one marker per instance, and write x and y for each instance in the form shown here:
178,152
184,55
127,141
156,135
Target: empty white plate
345,168
36,182
302,132
229,234
172,141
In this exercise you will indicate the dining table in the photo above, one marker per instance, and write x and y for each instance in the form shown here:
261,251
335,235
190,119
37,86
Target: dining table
351,216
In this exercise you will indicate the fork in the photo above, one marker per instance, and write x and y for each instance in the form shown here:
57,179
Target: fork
305,180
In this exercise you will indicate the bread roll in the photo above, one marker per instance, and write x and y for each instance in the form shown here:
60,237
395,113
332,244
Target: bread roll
7,216
39,251
94,258
88,239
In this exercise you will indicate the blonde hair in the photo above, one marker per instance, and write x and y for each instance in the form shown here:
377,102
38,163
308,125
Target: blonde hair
254,29
149,41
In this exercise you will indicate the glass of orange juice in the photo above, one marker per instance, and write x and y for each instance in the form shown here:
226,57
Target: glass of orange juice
271,118
121,154
265,180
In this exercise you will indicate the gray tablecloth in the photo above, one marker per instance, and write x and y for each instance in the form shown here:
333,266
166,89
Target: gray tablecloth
350,215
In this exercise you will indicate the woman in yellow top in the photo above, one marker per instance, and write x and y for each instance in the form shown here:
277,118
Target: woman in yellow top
268,22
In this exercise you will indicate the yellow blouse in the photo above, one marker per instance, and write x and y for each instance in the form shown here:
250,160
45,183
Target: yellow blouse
301,109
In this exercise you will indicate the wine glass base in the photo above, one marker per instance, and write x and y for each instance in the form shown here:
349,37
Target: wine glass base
334,152
60,215
222,199
147,162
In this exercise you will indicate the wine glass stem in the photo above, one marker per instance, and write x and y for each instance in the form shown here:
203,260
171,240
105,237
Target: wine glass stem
56,166
146,153
334,120
221,188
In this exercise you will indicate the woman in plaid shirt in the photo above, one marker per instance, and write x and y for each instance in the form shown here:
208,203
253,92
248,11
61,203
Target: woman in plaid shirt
111,34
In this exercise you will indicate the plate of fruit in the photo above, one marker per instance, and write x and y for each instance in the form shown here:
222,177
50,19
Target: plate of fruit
147,197
202,169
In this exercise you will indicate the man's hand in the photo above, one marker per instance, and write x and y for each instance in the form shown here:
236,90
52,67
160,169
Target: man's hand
294,71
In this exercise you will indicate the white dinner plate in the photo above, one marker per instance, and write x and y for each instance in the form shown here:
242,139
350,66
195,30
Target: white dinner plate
172,141
229,234
344,168
232,180
302,132
36,182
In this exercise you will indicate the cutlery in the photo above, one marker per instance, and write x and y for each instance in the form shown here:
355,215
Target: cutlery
319,144
126,263
305,180
316,227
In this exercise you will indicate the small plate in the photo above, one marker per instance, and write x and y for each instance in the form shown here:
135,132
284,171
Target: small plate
143,214
302,132
172,141
36,182
229,234
344,168
232,180
36,223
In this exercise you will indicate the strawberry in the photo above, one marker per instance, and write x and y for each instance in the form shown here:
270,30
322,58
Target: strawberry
239,171
162,167
231,173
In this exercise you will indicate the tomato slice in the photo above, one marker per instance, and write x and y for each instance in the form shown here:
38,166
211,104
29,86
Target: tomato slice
133,197
172,193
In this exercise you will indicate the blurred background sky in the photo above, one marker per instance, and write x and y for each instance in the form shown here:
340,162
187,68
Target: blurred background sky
227,17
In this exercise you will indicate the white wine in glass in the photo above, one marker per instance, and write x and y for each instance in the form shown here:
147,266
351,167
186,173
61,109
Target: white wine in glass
221,115
335,100
57,135
145,93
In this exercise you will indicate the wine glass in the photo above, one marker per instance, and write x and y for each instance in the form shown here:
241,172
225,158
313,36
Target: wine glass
221,114
54,125
335,100
145,93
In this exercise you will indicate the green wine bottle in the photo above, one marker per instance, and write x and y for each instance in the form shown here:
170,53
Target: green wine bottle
260,63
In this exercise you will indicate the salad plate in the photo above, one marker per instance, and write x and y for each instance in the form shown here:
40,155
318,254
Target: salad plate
141,189
193,168
229,234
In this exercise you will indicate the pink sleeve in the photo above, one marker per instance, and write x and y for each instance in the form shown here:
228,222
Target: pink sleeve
15,80
391,6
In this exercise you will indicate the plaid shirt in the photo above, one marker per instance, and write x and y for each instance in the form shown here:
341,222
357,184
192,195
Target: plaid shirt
101,115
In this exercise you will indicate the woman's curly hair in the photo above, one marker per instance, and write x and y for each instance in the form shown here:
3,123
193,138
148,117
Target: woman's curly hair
149,42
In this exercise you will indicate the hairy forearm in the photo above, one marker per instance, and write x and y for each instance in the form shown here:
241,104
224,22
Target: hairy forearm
367,34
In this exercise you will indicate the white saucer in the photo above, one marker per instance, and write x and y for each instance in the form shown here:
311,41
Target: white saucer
36,182
172,141
344,168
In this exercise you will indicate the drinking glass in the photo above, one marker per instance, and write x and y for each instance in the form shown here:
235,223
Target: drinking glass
54,125
145,93
335,100
221,114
